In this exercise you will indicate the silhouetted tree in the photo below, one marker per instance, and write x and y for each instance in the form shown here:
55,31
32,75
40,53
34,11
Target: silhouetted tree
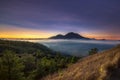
29,62
93,51
11,67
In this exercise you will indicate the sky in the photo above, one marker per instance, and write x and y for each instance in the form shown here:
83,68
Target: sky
98,19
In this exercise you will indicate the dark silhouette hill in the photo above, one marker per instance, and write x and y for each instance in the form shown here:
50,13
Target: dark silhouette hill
59,36
101,66
70,35
21,47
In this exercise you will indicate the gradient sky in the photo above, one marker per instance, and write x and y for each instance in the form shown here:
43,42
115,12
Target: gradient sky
44,18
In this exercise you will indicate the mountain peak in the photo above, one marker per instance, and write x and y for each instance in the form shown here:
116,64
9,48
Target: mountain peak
70,35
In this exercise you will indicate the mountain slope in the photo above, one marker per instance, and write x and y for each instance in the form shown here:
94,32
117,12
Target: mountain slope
59,36
21,47
73,35
70,35
103,66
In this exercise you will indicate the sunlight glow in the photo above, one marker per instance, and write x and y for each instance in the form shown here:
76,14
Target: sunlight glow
102,36
7,31
17,32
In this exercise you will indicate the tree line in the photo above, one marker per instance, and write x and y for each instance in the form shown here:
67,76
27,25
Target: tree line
31,61
31,67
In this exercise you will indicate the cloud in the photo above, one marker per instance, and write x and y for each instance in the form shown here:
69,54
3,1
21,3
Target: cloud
83,16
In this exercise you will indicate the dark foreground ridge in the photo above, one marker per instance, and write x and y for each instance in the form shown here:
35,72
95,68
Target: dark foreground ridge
103,66
21,60
70,35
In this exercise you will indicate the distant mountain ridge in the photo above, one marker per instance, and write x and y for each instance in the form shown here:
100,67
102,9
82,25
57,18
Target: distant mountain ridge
70,35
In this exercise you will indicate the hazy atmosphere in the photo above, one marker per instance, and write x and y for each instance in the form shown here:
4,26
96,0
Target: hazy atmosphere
44,18
59,39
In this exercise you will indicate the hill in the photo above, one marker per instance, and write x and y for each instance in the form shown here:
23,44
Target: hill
21,47
102,66
36,60
70,35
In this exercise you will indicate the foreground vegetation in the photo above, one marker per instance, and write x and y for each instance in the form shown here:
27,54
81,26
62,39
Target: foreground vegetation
30,61
103,66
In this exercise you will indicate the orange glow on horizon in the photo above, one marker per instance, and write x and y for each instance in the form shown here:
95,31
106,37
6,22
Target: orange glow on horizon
16,32
102,36
7,31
